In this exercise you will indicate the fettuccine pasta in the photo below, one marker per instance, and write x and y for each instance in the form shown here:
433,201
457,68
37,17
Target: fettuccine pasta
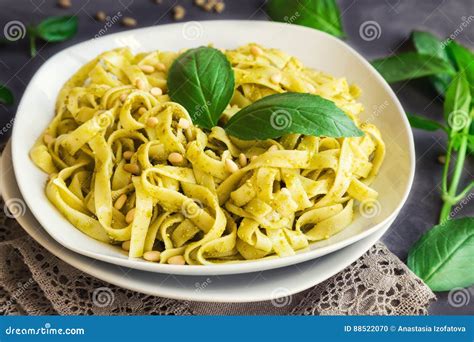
127,166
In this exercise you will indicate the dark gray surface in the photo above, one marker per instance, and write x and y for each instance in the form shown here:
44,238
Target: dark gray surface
397,18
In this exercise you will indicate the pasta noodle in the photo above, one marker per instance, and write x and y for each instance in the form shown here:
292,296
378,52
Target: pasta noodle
126,164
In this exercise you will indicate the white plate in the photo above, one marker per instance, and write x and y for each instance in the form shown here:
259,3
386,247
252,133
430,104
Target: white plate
314,48
247,287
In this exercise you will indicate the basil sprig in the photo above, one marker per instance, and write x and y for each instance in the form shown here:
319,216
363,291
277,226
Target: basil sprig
443,257
202,81
439,257
427,44
420,122
52,29
279,114
6,96
411,65
322,15
464,60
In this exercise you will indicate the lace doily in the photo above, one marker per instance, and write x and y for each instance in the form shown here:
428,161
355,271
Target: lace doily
34,282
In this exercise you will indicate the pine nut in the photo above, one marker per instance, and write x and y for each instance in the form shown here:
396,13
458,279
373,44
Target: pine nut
231,166
123,97
64,3
132,168
177,260
219,7
243,160
153,256
156,91
141,110
126,245
120,201
127,155
175,158
209,5
199,2
101,16
129,22
140,84
253,158
148,69
160,66
183,123
130,216
48,138
276,78
178,12
255,50
152,121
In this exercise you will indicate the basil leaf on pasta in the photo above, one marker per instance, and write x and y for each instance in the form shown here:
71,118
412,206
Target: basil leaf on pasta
202,81
276,115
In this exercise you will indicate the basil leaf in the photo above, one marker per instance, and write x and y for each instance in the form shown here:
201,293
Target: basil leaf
6,95
280,114
456,102
202,81
444,255
57,29
319,14
426,124
427,44
464,59
410,65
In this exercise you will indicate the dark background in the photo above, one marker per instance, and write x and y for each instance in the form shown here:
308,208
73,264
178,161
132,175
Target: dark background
397,18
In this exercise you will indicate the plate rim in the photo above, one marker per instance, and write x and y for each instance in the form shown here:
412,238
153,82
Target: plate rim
236,268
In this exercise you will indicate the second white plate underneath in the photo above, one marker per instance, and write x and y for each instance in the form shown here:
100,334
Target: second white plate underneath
248,287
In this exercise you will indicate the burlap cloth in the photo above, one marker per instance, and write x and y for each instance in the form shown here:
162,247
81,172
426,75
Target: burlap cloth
35,282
